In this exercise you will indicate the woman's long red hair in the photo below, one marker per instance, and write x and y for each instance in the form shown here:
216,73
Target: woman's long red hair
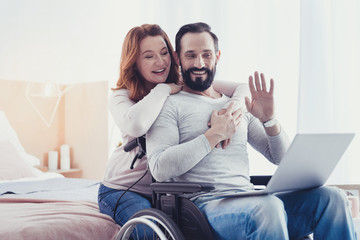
131,79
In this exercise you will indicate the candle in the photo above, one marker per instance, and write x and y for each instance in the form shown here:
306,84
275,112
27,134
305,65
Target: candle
53,160
65,151
65,157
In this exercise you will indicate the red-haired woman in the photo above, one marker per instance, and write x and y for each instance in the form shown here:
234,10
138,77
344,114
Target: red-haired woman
148,75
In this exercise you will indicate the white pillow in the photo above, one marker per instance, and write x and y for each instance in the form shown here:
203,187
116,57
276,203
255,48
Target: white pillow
30,159
8,133
12,165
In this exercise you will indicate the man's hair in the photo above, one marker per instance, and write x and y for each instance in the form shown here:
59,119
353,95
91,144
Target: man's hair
194,28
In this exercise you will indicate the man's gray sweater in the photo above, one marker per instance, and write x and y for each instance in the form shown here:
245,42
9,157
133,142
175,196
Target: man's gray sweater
178,150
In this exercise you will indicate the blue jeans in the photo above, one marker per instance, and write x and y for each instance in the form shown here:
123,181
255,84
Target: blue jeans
322,211
129,204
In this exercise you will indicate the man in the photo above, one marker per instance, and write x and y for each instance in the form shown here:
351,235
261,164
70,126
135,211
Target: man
181,147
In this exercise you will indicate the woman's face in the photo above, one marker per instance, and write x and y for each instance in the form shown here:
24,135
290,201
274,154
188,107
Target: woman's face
154,60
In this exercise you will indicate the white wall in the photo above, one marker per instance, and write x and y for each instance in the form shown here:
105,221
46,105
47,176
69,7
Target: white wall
74,41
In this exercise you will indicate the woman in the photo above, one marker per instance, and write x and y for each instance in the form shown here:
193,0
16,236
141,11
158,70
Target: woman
148,75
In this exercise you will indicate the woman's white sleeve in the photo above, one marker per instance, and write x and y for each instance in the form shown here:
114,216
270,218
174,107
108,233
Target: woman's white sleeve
237,92
135,119
225,87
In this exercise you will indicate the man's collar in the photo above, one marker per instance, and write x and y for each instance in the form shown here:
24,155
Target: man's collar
210,92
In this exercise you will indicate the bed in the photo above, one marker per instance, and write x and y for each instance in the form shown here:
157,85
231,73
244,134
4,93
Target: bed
45,205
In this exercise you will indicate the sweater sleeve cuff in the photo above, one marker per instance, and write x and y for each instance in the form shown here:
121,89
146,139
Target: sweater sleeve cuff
206,143
282,137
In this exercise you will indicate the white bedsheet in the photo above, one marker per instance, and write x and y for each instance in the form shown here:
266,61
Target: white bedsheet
39,175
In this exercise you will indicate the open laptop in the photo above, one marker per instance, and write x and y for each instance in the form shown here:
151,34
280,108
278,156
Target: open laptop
308,163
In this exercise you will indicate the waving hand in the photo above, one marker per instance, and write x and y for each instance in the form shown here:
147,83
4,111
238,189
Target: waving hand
262,101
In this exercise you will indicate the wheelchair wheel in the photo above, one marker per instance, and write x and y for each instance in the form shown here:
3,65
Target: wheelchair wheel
155,223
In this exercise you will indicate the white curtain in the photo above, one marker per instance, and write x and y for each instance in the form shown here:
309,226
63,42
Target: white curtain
330,76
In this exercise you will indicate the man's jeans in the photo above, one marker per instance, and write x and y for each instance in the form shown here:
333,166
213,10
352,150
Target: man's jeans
323,211
129,204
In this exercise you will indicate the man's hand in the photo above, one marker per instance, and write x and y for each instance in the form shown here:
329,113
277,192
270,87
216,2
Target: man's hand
225,142
262,101
223,125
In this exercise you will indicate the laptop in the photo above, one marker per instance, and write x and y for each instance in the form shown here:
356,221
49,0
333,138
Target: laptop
308,163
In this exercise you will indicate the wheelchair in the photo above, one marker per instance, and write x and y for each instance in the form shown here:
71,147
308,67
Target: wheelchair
173,216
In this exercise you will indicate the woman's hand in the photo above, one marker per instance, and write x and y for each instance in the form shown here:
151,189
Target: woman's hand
175,88
262,101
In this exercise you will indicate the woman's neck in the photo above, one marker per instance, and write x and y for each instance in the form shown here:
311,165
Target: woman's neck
149,85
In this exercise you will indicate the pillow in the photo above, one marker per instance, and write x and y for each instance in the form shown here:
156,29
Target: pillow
30,159
8,133
12,165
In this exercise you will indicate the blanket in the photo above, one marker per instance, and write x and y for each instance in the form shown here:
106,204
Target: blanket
61,208
22,218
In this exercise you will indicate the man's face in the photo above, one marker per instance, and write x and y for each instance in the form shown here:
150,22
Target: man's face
198,60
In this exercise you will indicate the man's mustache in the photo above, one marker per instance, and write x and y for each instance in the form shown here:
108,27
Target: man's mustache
198,69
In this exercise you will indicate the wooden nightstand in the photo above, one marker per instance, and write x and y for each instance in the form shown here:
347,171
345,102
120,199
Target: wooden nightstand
71,173
42,168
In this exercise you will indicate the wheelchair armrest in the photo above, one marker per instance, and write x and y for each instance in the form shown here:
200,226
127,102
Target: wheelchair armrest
180,187
260,179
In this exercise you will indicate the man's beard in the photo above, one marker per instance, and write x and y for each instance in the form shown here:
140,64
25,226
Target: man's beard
198,84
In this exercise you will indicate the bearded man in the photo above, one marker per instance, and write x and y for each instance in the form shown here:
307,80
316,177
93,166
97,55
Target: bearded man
181,147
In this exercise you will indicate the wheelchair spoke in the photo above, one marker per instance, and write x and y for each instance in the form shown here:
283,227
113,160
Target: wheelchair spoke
150,224
143,229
